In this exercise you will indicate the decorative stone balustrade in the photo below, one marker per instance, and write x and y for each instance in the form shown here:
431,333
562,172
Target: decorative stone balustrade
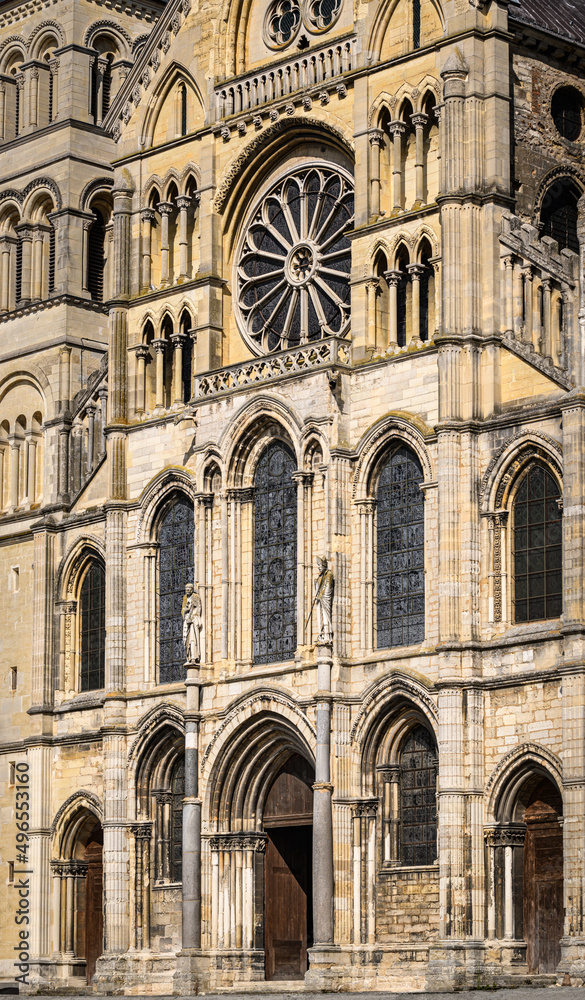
538,284
329,352
300,73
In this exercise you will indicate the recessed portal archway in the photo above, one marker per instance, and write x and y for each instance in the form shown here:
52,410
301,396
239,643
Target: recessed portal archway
288,821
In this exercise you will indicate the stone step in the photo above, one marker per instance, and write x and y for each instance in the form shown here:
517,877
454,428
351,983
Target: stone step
258,988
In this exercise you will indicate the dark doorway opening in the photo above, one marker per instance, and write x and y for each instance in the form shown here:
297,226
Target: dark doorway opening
288,821
543,879
94,910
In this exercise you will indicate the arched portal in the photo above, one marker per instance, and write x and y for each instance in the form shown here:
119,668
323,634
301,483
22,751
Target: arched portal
288,821
78,893
526,850
543,878
260,844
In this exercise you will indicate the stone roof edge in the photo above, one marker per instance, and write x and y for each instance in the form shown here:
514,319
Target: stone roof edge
18,11
516,21
145,68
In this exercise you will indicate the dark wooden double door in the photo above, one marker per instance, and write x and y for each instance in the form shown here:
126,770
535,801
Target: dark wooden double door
288,819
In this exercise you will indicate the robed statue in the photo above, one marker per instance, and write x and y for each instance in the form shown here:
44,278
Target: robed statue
192,613
324,601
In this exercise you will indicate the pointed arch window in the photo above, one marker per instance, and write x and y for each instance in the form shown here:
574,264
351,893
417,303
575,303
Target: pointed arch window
183,108
400,583
418,798
176,561
275,556
537,547
559,213
93,628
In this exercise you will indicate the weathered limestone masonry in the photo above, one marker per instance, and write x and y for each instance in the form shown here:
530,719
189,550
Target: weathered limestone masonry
292,310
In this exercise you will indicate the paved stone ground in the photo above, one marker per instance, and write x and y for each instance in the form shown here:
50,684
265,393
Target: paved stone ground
521,993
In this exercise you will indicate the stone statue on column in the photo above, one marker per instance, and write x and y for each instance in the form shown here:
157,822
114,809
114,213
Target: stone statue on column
324,585
192,614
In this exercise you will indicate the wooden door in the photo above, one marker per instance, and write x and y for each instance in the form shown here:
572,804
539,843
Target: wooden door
94,915
288,898
288,818
543,887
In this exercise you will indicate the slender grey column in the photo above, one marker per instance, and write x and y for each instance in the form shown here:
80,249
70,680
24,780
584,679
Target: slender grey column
192,817
322,811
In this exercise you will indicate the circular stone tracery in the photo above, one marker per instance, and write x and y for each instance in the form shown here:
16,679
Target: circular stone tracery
292,270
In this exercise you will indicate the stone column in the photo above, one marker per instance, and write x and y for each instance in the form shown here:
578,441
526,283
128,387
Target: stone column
14,471
416,271
322,808
397,130
178,341
165,208
147,217
31,466
376,137
190,975
393,278
141,353
6,244
419,121
546,318
101,69
509,288
2,111
528,302
183,203
25,234
159,346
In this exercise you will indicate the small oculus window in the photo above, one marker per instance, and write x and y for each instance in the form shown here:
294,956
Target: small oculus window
281,23
567,112
319,15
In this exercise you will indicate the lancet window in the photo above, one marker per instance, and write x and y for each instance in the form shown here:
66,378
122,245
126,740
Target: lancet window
418,798
176,561
537,547
400,590
93,628
275,534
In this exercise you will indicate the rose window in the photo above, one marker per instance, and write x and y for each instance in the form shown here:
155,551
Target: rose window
292,272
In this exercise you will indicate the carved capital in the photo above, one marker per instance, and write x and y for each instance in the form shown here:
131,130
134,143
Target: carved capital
376,137
141,831
366,506
183,201
148,215
416,271
165,207
178,340
397,129
394,277
419,120
160,345
242,494
141,352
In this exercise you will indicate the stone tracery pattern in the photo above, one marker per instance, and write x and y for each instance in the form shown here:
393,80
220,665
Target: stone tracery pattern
293,266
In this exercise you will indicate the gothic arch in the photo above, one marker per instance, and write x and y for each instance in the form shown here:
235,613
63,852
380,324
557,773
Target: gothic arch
71,567
510,773
380,245
256,733
258,421
380,697
398,426
71,814
174,74
175,479
512,457
267,147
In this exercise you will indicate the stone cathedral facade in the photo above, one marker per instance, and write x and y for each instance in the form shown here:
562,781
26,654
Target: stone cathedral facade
285,282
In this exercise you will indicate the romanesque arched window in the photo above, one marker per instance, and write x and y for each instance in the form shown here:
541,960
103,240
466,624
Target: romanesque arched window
96,257
400,584
418,798
175,570
92,628
559,213
537,547
275,555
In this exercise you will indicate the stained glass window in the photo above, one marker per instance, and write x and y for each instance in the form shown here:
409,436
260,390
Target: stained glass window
93,628
559,214
275,555
537,547
178,794
418,799
175,570
400,580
